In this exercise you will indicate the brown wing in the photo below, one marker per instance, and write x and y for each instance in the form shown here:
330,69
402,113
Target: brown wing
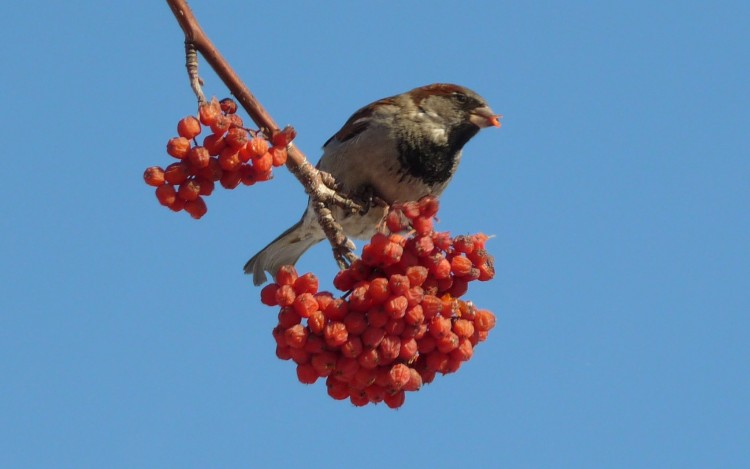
357,123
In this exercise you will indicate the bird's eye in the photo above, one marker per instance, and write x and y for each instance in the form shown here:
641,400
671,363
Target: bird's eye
461,98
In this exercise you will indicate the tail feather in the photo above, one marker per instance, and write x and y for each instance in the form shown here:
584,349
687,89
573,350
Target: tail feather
284,250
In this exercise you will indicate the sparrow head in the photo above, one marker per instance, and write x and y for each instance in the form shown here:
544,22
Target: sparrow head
453,105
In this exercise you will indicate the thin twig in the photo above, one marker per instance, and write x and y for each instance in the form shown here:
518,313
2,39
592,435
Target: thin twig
191,63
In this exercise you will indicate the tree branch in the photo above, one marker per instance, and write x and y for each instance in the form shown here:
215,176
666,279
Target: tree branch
321,190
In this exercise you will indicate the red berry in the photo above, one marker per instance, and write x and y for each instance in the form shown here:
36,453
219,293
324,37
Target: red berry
286,275
268,295
285,295
189,127
305,304
166,194
228,105
199,157
296,336
209,112
278,156
337,389
189,190
398,376
178,147
428,206
154,176
257,147
176,173
196,208
316,322
284,137
230,179
263,163
288,317
306,373
214,144
236,138
335,334
484,320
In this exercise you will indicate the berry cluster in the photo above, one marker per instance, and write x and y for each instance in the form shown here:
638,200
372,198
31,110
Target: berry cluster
400,321
230,154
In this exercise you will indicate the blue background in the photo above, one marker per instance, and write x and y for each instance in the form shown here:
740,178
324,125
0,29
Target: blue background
617,191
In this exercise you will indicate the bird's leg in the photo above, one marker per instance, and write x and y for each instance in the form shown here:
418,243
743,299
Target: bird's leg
336,198
368,199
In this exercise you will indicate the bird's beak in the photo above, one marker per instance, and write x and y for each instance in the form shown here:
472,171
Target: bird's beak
484,117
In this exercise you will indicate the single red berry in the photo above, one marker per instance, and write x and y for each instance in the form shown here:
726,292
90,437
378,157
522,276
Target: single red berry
428,206
316,322
230,179
214,144
189,127
324,363
337,389
176,173
284,137
220,125
285,295
206,186
288,317
196,208
282,352
484,320
229,159
286,275
463,328
398,376
415,381
228,105
268,295
460,266
369,358
306,373
178,147
166,194
299,355
198,157
305,304
263,163
296,336
236,138
209,112
307,283
389,348
154,176
355,322
278,156
189,190
257,146
352,347
335,334
372,336
408,350
423,225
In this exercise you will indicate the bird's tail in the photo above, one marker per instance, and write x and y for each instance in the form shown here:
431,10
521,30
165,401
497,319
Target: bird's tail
284,250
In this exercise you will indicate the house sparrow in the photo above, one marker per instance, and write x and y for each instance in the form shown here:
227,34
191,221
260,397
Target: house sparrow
396,149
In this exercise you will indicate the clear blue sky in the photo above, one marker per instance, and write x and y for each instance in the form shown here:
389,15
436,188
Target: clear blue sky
617,191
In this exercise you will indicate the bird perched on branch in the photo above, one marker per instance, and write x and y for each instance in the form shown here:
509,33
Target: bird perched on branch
397,149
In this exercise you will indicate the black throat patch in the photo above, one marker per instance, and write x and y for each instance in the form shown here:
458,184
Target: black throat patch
432,162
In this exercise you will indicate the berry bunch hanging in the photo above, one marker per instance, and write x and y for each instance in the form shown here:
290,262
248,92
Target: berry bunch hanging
401,319
229,154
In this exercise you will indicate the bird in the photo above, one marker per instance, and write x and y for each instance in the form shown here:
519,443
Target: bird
396,149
